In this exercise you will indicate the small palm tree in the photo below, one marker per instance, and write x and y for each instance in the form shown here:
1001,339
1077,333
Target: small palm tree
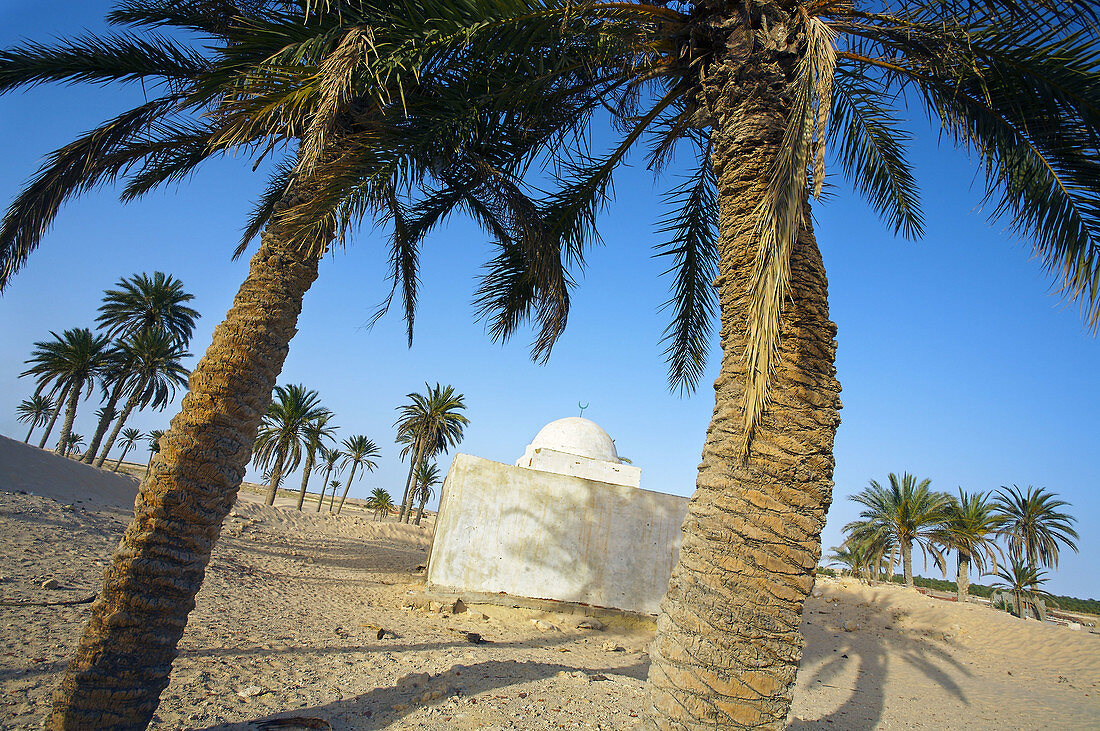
140,304
429,425
153,373
970,527
67,366
329,458
1024,582
358,451
148,303
35,411
278,448
427,476
1034,525
71,444
130,437
335,485
907,511
314,434
865,556
380,502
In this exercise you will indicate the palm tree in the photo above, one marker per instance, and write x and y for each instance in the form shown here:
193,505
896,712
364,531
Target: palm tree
756,90
335,485
153,372
68,365
329,458
154,449
140,304
748,84
380,502
314,435
427,476
34,411
865,556
72,443
1034,525
969,528
130,437
1024,581
907,512
283,432
358,450
317,83
429,425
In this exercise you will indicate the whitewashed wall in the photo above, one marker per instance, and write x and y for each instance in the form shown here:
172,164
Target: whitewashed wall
548,536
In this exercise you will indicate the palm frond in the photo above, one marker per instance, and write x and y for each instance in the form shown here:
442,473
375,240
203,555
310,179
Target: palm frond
779,217
693,224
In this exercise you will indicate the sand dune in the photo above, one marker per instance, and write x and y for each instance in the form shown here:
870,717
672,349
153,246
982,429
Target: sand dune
287,625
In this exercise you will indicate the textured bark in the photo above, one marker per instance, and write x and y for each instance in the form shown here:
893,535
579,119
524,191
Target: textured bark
420,511
53,419
103,425
131,404
962,579
728,641
907,560
70,416
126,653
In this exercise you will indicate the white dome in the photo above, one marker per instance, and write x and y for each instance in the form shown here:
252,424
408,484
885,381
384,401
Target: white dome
576,435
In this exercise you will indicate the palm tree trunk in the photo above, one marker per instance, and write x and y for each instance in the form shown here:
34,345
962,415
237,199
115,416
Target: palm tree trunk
962,579
276,478
346,488
131,404
70,415
345,495
420,510
305,479
53,417
104,422
406,499
123,661
122,457
321,497
907,561
728,641
34,423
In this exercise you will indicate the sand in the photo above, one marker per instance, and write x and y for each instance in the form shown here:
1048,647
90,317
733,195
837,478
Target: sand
287,625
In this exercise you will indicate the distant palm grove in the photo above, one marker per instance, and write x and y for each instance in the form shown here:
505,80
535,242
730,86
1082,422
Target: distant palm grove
1011,534
134,360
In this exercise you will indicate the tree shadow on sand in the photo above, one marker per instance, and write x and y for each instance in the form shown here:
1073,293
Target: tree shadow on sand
833,655
384,706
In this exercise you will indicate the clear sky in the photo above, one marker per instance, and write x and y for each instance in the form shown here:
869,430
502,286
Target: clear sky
958,362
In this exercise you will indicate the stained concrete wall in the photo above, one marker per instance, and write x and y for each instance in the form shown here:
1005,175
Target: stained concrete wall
547,536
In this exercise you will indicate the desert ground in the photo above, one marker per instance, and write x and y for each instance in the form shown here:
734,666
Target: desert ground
318,617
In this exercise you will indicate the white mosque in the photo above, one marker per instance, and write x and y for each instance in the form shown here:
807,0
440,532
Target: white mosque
567,523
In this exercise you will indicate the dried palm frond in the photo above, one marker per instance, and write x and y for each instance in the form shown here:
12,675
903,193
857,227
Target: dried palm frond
779,217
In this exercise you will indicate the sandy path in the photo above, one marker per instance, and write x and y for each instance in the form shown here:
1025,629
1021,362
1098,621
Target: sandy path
286,625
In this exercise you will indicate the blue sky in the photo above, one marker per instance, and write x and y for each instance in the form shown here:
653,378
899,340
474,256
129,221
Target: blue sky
957,361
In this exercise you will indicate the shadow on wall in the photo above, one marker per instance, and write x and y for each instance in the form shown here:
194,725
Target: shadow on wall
548,536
